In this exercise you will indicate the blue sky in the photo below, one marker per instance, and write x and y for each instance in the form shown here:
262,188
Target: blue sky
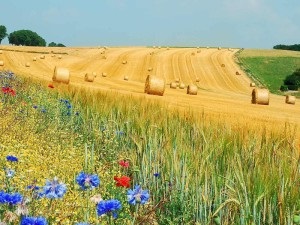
227,23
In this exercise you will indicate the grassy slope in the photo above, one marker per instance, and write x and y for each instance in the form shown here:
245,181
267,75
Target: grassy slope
269,67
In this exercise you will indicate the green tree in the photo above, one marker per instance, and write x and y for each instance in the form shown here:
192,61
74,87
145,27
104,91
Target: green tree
26,37
3,33
53,44
293,81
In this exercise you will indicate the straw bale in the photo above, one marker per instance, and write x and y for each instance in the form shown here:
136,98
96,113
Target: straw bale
61,74
104,74
124,62
192,89
34,59
150,69
207,47
89,77
181,85
94,74
154,85
1,63
223,65
289,99
59,56
27,64
177,80
252,84
193,53
1,51
42,57
197,79
237,73
198,51
260,96
126,77
173,85
219,48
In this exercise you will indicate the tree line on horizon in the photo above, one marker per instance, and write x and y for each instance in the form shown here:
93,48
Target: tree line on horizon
25,38
295,47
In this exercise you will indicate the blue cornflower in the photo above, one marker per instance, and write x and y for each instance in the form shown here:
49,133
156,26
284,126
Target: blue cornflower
9,172
156,174
43,110
10,198
11,158
77,114
35,106
87,180
108,206
34,221
53,189
137,195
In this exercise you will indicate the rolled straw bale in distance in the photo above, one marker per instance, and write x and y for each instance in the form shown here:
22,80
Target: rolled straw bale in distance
59,56
289,99
104,74
150,69
1,63
177,80
223,65
61,74
219,48
124,62
237,73
260,96
27,64
181,85
94,74
34,59
154,85
173,85
42,57
89,77
192,89
1,51
252,84
197,79
126,77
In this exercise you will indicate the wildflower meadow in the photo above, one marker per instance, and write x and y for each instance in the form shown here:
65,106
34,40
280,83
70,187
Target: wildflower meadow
70,156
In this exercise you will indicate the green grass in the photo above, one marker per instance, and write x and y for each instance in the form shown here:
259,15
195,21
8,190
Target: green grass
209,170
269,71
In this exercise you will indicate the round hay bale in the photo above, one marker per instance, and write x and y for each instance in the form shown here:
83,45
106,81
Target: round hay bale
103,57
289,99
59,56
198,51
94,74
34,59
197,79
192,89
173,85
219,48
237,73
222,65
1,51
89,77
1,63
61,74
181,85
154,85
124,62
126,77
193,53
42,57
207,47
168,48
104,74
150,69
260,96
252,84
177,80
27,64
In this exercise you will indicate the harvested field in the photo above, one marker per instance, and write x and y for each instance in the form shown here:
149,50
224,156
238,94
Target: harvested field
220,91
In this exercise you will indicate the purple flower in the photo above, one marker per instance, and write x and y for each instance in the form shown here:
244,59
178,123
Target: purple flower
87,180
11,158
53,189
137,195
156,174
34,221
10,198
108,206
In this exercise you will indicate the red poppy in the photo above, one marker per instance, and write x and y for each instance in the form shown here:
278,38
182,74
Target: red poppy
123,181
50,86
124,163
8,90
